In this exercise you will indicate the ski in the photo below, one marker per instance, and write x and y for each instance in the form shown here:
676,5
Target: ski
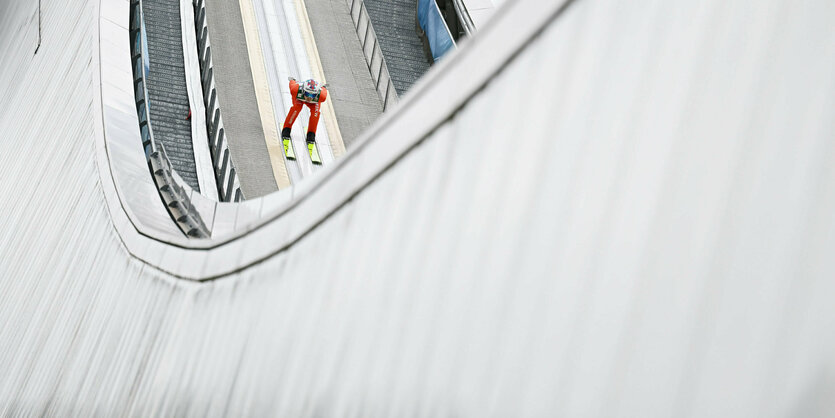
288,149
314,153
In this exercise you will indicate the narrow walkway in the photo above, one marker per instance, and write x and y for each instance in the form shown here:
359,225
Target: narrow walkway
394,23
355,99
167,86
236,94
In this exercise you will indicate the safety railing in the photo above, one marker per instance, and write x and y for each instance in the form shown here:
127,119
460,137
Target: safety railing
174,193
373,53
228,186
464,17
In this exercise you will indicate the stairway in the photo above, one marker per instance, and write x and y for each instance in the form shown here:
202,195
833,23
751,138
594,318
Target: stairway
167,86
394,24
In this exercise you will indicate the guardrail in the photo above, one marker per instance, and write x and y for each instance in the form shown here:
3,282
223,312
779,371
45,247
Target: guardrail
464,17
227,179
174,193
373,53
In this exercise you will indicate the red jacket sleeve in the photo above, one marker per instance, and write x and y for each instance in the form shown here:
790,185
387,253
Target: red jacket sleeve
294,89
323,95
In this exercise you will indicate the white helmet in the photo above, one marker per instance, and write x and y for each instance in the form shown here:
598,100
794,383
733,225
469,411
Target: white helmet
310,90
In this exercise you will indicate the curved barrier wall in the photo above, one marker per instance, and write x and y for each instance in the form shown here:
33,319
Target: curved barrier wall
174,192
659,244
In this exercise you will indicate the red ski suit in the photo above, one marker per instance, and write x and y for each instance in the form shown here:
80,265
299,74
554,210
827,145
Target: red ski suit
297,107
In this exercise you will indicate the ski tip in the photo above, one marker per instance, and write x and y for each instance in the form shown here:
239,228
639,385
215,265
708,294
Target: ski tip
288,149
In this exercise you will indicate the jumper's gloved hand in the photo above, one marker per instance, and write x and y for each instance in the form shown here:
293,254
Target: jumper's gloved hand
291,79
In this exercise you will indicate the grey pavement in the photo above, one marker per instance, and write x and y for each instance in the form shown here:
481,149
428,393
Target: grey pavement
236,93
351,88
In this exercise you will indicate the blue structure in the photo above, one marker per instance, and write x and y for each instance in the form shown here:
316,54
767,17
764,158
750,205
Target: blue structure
435,28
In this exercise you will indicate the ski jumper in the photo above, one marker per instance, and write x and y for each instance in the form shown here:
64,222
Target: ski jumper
313,103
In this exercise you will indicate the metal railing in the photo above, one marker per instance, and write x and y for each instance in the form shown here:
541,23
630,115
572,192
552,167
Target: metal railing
174,195
464,17
373,53
229,188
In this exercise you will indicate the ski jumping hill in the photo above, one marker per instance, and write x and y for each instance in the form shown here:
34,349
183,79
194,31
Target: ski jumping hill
592,208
